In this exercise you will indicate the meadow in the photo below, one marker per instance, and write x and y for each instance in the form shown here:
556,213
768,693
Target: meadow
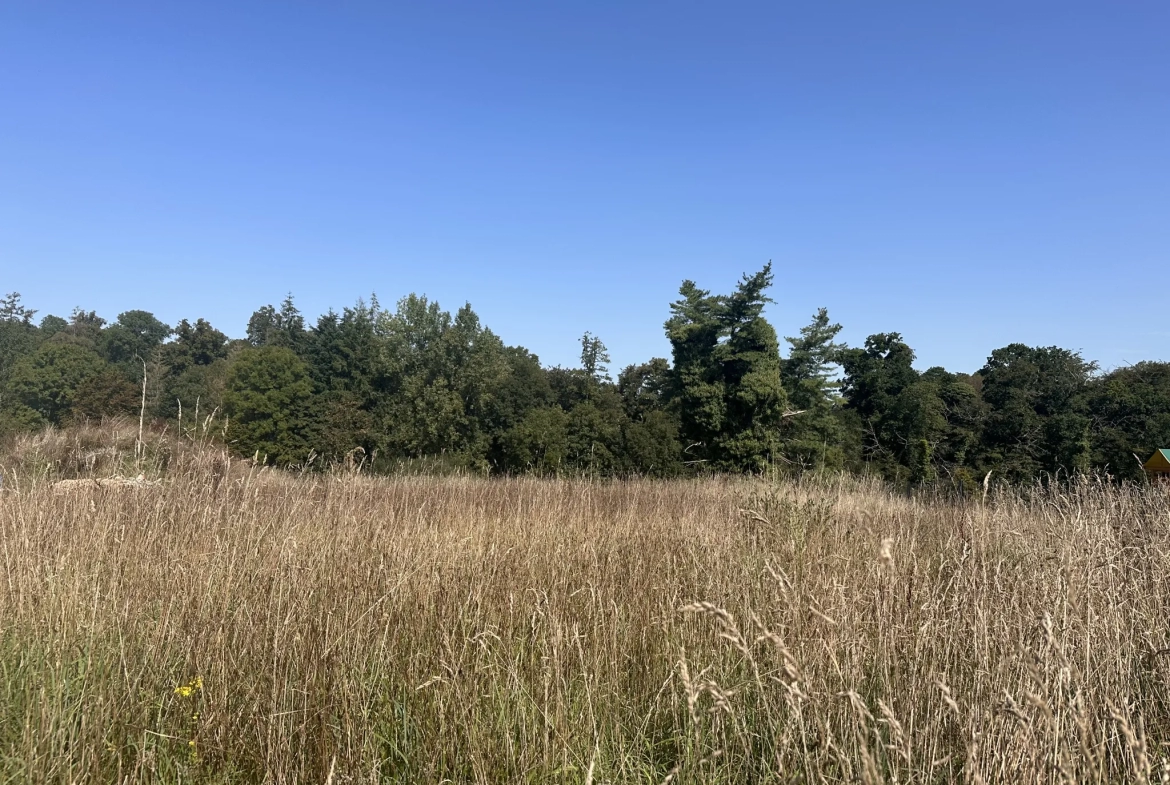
228,624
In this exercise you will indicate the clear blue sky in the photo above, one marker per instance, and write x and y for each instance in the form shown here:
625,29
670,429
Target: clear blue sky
968,174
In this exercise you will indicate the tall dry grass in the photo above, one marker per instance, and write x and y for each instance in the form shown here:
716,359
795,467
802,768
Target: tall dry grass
347,629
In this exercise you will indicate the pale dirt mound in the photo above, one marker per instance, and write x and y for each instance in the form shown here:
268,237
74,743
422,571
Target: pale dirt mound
90,484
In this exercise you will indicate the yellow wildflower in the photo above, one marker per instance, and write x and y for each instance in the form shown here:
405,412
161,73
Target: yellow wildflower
190,688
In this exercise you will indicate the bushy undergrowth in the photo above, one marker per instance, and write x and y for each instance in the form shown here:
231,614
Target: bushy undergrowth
339,628
114,447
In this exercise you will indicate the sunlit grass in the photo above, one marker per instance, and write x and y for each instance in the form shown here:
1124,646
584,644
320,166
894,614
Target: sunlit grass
259,627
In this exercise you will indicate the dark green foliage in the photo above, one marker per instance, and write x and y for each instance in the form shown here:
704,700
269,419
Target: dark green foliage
1036,423
651,445
813,435
270,327
569,386
960,413
19,337
105,394
644,388
443,377
345,353
1129,412
423,388
84,329
914,426
694,330
651,441
47,381
808,369
594,357
196,392
935,424
524,389
51,325
874,379
341,429
755,396
267,396
593,440
875,375
539,442
727,374
12,310
135,337
18,334
595,436
197,344
195,369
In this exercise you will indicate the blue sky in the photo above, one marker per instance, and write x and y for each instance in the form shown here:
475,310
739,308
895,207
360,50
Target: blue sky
968,174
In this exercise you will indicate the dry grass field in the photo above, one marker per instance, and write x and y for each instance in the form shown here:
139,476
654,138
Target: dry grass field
345,629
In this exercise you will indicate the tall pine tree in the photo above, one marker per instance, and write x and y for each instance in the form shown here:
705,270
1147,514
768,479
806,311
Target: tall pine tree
727,374
813,436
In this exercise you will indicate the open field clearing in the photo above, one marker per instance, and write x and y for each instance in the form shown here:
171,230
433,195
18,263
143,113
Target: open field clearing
348,629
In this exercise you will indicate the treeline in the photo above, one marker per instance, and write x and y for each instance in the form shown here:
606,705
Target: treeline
419,385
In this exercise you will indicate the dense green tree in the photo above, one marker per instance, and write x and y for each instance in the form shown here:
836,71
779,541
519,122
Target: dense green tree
51,325
651,445
444,376
933,425
523,389
18,334
727,373
136,334
13,310
47,381
341,428
195,393
915,427
196,344
651,428
956,442
478,367
346,353
1129,410
1035,423
594,436
538,442
594,358
812,357
84,329
750,360
196,370
267,396
106,394
19,337
877,373
644,388
570,387
421,383
133,347
873,379
284,327
813,436
694,330
346,360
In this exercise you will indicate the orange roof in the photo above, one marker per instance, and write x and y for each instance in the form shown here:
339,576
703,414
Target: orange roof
1158,462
